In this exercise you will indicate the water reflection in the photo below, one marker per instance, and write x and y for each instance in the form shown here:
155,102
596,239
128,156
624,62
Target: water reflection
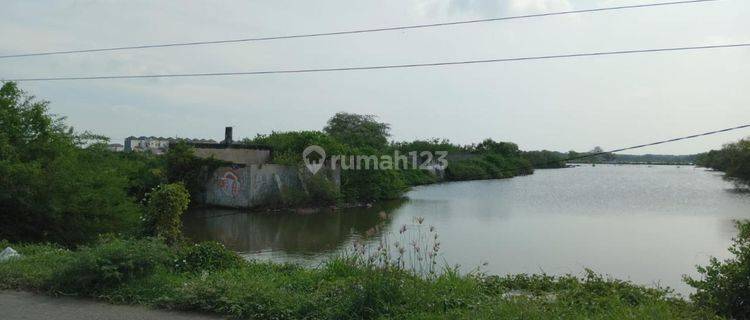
645,224
318,232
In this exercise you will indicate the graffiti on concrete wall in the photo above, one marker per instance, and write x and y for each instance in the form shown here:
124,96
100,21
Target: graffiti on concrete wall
229,183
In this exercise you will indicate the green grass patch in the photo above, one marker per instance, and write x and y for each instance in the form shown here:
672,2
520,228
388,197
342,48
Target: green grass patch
212,279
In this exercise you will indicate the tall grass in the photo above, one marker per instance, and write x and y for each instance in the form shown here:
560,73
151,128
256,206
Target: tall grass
395,278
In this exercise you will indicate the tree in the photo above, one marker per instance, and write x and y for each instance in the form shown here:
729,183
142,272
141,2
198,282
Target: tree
50,188
358,130
724,286
164,211
508,149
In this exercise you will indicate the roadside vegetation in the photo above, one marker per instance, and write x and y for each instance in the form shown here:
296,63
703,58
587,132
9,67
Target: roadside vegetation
387,279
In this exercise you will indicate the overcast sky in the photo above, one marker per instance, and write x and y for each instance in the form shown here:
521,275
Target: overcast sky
578,103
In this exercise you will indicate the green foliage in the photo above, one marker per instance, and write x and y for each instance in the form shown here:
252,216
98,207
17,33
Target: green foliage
288,146
466,170
107,264
163,216
372,185
206,256
184,167
416,177
52,189
544,159
488,166
433,145
724,286
733,159
321,190
506,149
130,271
358,131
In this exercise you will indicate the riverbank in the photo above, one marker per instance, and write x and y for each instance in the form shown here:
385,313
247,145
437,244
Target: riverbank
145,272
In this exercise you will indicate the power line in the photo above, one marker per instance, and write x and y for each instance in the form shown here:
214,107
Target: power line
589,155
337,33
661,142
394,66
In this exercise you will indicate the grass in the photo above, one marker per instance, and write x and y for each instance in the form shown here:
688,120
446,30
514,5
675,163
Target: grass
143,272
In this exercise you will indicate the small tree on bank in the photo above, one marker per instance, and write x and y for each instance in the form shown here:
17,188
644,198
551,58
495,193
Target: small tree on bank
166,204
724,286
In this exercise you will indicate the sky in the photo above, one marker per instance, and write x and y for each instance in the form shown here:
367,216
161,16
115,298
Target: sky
565,104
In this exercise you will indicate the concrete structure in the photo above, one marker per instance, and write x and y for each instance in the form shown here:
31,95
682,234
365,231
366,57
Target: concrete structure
236,153
251,181
116,147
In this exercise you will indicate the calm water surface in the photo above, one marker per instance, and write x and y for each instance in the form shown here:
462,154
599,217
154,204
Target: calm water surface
650,225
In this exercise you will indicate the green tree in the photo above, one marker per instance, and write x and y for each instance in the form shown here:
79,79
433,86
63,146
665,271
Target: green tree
166,204
52,189
724,286
358,130
184,167
733,159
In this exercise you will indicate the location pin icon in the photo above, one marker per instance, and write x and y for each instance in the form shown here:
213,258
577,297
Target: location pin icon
314,165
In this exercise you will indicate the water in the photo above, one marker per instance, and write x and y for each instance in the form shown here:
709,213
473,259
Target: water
650,225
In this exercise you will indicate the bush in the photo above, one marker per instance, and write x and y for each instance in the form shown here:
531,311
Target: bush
372,185
109,263
466,170
136,271
322,190
193,172
206,256
51,188
725,285
164,211
416,177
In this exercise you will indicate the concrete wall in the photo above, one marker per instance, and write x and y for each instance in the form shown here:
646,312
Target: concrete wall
256,185
235,155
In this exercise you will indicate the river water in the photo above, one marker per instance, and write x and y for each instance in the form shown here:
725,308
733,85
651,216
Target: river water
647,224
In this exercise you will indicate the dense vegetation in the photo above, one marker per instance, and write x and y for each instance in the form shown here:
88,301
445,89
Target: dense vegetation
207,277
52,189
352,134
733,159
724,286
64,187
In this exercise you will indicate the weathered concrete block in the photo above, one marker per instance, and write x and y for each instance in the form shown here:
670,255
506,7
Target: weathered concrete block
257,185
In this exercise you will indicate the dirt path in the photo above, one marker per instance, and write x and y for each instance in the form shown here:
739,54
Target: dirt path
16,305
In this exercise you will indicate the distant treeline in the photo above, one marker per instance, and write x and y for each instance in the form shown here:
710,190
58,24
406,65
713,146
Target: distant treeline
555,159
733,159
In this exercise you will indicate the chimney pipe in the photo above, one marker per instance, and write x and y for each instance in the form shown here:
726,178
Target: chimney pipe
228,135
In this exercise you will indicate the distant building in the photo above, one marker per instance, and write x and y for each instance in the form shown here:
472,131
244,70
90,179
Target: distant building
155,145
229,151
116,147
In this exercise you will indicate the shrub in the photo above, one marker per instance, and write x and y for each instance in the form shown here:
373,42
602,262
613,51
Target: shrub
206,256
51,188
466,170
163,213
725,285
321,189
371,185
415,177
184,167
109,263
